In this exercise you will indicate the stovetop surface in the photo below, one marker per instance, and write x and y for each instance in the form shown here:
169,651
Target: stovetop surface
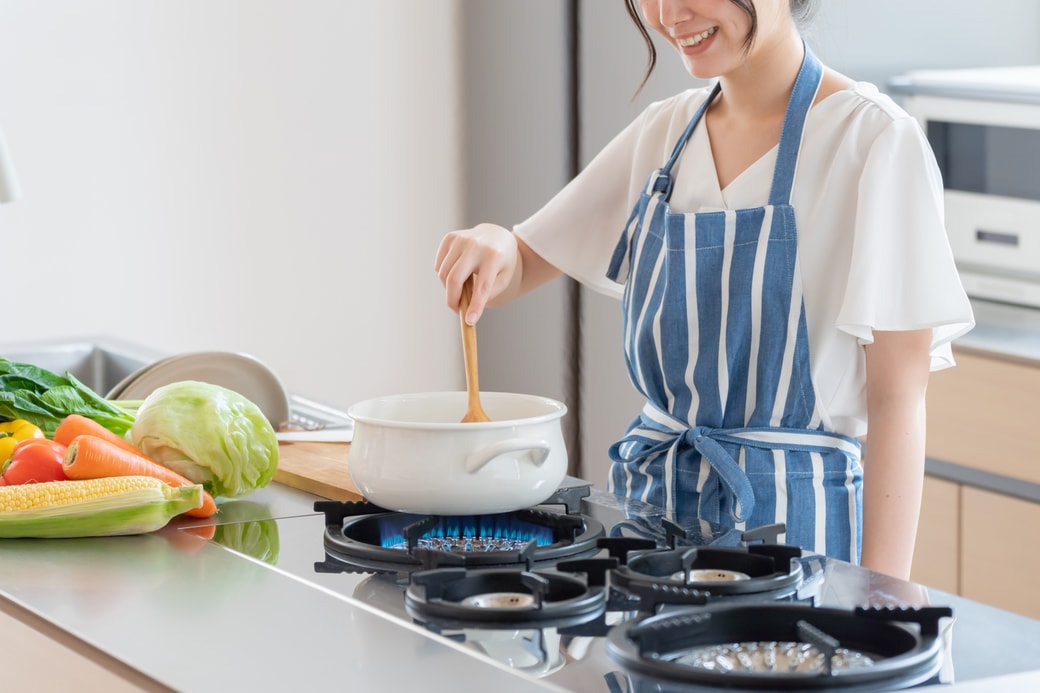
981,641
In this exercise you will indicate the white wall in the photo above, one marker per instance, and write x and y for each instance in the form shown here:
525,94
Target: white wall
516,143
268,176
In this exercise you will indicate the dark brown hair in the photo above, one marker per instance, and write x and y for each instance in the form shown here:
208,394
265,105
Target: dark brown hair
801,11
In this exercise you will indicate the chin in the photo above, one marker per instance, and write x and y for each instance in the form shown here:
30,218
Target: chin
702,71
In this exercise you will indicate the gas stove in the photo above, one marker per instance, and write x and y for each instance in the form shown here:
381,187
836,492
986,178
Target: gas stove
598,593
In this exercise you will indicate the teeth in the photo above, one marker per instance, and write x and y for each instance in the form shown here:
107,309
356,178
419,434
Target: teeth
697,38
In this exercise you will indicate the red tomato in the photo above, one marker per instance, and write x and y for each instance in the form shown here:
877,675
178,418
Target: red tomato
35,460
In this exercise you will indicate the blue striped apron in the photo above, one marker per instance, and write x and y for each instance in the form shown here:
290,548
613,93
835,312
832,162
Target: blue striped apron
715,338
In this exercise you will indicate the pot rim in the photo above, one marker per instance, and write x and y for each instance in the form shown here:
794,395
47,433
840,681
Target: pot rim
557,411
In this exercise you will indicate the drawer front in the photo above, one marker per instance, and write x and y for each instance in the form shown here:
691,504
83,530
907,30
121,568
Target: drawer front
998,566
984,414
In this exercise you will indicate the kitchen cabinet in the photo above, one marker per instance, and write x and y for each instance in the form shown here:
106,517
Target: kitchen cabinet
981,415
999,562
31,646
979,510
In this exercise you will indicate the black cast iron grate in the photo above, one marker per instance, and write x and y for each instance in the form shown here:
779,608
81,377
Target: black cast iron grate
360,536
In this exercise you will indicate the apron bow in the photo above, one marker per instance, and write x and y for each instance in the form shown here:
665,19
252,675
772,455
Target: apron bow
655,433
683,445
734,480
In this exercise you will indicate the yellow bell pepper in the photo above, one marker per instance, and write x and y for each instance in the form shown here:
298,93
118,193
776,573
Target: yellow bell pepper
14,432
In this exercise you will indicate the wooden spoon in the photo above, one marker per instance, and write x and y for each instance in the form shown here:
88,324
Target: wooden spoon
474,412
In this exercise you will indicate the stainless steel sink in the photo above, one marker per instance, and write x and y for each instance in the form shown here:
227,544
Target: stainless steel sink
102,362
99,363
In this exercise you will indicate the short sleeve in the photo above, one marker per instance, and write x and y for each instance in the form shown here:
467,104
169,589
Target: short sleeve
902,273
577,230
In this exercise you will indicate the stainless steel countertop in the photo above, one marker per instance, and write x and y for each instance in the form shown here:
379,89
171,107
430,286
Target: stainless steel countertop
195,616
1004,331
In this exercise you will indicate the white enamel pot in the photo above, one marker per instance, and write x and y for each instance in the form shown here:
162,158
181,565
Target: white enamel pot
410,453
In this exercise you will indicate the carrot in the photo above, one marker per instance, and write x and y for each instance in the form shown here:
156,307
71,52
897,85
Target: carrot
91,457
76,425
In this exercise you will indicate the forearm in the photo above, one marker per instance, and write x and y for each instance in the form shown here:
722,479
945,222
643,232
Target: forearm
893,474
893,463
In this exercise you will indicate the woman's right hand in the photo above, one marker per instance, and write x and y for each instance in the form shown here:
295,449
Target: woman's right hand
486,252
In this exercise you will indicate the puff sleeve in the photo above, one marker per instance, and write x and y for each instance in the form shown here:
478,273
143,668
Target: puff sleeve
902,273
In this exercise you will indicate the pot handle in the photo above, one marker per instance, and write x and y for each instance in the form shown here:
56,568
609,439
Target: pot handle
539,450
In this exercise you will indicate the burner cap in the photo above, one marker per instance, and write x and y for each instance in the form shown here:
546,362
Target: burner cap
711,575
500,600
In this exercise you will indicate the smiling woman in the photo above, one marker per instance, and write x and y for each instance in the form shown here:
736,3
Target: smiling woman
755,323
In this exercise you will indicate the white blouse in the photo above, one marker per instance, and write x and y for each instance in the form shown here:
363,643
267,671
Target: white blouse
868,201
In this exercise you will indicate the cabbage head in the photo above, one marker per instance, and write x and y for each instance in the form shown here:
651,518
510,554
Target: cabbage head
209,434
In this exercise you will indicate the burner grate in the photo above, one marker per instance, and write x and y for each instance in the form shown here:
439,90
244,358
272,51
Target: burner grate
784,646
367,537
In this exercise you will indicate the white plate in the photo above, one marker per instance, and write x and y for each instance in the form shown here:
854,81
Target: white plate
117,391
241,373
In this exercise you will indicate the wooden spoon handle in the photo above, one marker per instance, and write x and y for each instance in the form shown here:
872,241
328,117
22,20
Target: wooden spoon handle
474,411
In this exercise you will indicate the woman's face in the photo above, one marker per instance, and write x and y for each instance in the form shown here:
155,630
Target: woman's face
710,35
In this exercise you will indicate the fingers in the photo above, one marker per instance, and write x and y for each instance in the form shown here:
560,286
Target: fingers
485,256
456,262
478,298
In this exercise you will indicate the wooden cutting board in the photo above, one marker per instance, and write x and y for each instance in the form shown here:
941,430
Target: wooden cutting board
318,468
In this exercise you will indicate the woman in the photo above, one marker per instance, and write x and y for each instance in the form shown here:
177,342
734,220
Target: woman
777,241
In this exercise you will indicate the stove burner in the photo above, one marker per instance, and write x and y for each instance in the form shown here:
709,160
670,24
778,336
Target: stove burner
711,575
784,646
364,537
780,657
470,533
667,576
466,544
501,598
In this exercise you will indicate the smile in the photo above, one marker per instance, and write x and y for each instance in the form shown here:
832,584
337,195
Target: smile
696,38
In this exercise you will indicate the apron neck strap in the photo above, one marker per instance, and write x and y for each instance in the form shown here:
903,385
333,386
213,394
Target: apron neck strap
666,170
802,96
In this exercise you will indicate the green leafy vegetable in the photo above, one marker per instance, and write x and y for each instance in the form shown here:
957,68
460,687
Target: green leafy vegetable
209,434
45,398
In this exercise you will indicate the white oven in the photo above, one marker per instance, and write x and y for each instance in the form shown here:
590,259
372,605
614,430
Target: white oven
984,127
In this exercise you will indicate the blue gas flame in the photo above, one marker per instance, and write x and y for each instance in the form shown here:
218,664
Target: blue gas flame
505,527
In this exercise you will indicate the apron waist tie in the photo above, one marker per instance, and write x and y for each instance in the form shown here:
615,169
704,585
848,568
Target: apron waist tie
658,432
703,440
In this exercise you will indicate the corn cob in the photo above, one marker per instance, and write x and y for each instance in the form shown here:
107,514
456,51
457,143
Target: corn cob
93,507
